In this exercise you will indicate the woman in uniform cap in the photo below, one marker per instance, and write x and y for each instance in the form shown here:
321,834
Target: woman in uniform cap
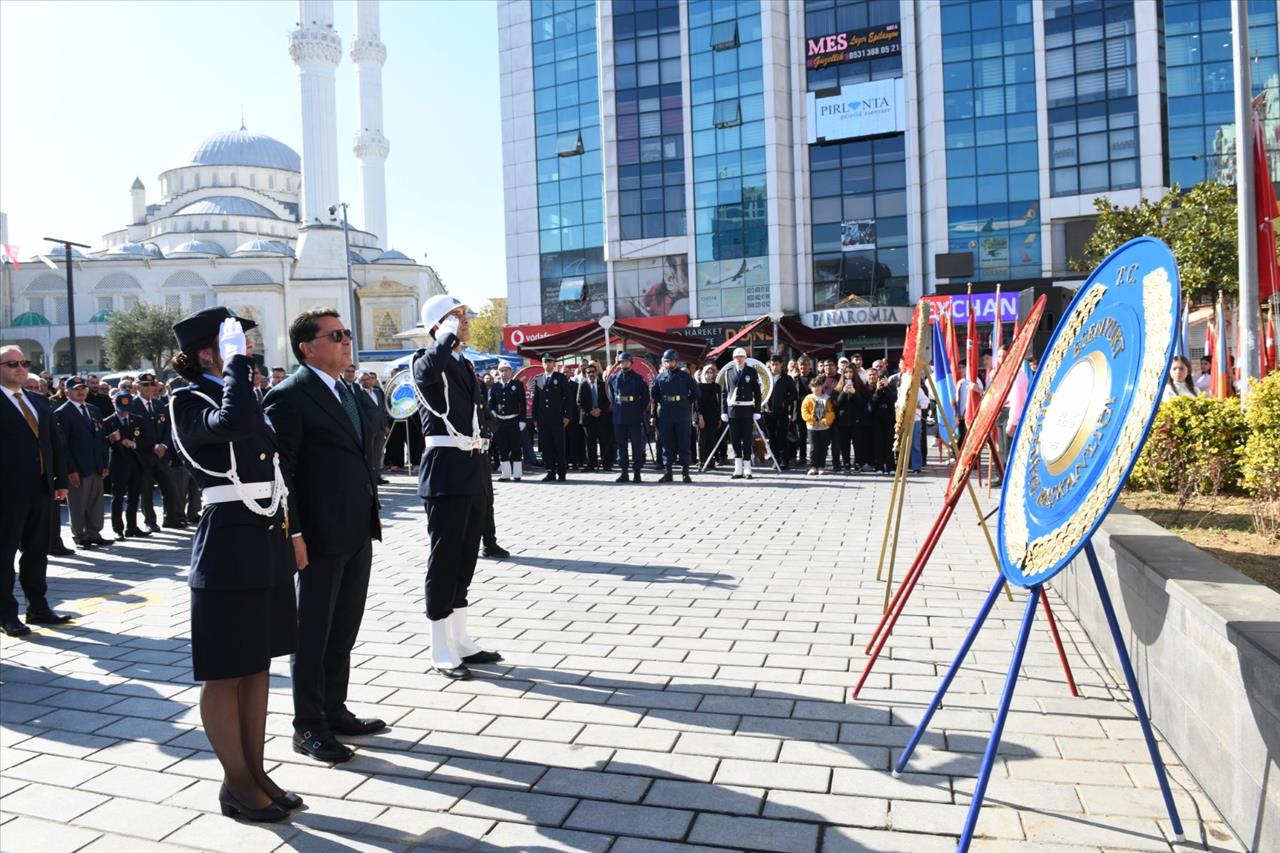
243,611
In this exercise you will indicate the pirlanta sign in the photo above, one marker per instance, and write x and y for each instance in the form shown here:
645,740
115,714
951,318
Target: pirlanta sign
853,46
861,109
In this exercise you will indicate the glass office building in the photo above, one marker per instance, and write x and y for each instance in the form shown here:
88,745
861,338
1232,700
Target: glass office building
714,161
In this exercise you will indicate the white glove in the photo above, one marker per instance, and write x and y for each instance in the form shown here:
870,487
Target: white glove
447,326
231,340
756,416
522,426
724,416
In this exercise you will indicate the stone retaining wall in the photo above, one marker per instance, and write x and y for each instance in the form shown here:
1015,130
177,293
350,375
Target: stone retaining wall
1205,642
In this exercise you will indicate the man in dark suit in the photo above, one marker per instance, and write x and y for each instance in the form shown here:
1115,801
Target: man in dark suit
369,390
552,401
597,421
777,411
33,470
124,432
154,452
88,456
325,440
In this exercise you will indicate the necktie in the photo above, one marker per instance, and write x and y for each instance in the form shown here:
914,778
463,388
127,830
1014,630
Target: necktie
349,406
84,411
31,422
595,400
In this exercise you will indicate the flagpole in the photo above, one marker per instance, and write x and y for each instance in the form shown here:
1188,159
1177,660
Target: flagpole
1246,215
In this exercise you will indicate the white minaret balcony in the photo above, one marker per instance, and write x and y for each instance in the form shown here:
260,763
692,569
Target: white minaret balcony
368,50
313,44
371,144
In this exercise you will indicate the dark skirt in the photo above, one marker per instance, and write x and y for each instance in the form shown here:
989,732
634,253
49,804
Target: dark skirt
236,632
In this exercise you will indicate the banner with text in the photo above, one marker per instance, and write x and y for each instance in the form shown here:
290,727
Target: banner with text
853,46
861,109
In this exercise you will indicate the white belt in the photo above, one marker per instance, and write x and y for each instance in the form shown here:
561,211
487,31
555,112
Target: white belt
507,417
747,403
231,494
461,442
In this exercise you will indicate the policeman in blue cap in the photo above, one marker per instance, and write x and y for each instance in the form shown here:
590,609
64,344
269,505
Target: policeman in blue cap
630,395
674,400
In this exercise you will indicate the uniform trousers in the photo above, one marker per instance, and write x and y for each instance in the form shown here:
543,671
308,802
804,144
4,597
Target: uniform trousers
741,432
551,440
507,440
630,441
24,525
454,527
124,484
331,597
84,505
675,440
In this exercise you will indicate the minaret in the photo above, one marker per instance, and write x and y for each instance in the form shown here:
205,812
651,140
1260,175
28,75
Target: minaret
371,147
138,199
316,49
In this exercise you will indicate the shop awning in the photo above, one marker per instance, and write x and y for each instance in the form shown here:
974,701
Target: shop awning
689,349
578,338
807,340
738,335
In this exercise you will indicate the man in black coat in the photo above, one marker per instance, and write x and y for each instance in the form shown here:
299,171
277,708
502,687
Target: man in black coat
124,432
372,391
88,457
33,471
553,400
595,410
777,411
325,440
156,454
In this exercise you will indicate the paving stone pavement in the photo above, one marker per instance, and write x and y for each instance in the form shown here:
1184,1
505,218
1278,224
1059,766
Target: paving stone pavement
678,664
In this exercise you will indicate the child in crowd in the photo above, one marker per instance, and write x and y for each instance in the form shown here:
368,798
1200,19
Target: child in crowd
819,415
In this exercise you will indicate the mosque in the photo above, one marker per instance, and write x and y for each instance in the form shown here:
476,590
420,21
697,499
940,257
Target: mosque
242,220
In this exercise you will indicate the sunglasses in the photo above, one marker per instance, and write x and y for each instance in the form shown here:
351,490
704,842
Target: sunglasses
16,364
336,335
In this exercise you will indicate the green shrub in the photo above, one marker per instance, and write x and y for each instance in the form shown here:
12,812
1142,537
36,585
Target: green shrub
1194,448
1260,460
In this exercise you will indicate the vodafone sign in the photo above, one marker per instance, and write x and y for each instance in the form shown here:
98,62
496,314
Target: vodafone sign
514,336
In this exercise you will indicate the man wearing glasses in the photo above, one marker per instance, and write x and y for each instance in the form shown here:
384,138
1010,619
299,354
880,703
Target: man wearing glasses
33,470
326,439
594,412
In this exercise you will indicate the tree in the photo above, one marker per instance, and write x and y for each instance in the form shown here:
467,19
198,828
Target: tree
486,326
144,331
1198,224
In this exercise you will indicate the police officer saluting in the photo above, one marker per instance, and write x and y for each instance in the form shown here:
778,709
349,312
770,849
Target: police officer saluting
741,408
674,399
507,402
630,395
453,482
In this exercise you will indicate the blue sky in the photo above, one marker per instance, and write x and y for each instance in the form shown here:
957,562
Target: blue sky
96,93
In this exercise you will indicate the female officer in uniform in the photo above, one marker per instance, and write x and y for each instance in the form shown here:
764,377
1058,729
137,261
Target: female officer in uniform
243,611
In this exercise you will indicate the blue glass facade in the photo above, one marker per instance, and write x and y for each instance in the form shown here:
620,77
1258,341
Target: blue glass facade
729,187
1091,66
1199,87
859,181
570,183
650,109
993,184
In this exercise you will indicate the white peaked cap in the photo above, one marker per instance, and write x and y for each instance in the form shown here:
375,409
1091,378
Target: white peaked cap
739,352
437,308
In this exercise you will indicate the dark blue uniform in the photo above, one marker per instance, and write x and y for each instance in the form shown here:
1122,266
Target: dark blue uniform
674,401
88,455
154,418
629,394
126,469
553,401
741,403
507,402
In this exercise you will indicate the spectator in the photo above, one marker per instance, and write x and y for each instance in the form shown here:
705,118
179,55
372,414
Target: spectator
883,403
777,412
1179,383
88,457
851,419
818,415
708,402
1205,376
595,415
99,395
278,375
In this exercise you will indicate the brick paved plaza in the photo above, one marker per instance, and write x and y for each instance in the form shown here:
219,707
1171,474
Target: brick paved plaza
678,665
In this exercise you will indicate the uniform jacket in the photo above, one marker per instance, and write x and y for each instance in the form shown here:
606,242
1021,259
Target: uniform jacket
124,459
156,429
508,399
602,400
444,378
20,451
88,452
743,386
333,493
553,399
630,396
675,396
234,547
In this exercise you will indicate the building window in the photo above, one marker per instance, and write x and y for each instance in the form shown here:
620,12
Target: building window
105,303
173,300
728,113
569,144
583,266
271,182
36,305
832,17
196,178
217,181
129,302
253,179
199,301
724,35
231,182
573,289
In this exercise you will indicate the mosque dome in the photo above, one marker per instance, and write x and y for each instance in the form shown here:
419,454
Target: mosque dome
102,316
242,148
58,253
133,250
31,318
225,205
393,256
356,258
197,248
257,248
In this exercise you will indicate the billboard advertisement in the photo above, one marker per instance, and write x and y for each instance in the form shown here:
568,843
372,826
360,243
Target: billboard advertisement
853,46
651,287
861,109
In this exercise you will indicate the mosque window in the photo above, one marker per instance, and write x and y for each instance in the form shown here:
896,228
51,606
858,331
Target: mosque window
232,181
197,180
253,180
271,182
243,227
173,300
226,226
59,309
129,302
105,303
36,305
217,182
199,302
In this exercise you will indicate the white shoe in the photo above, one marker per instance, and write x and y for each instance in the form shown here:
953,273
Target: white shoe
517,470
443,655
459,641
746,468
504,471
737,467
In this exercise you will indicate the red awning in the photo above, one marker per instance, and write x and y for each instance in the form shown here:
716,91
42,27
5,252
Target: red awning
741,333
689,349
807,340
578,338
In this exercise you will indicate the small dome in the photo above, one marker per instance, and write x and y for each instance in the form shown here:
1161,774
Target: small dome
101,316
58,253
285,248
356,258
133,250
242,148
196,249
31,318
225,205
393,256
256,247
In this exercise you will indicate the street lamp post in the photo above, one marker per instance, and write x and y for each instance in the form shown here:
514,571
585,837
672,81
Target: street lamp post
71,297
351,287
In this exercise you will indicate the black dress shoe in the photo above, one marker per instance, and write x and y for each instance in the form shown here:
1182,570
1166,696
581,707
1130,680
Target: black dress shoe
635,478
153,527
102,543
88,545
549,478
494,550
61,551
323,747
353,725
194,518
136,532
458,673
482,657
173,524
47,617
13,626
562,478
383,481
288,800
232,807
622,478
120,534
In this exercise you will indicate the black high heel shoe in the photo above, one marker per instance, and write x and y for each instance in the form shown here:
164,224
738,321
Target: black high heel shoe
288,800
232,807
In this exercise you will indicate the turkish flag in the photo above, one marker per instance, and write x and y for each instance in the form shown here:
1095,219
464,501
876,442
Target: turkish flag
1265,209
